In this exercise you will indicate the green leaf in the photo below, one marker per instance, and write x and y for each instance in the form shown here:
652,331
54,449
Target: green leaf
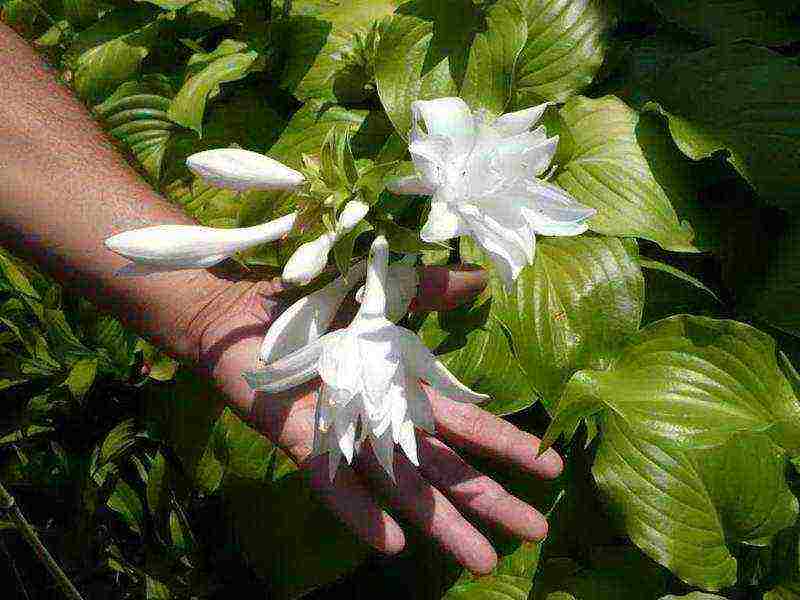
157,490
118,442
81,12
290,538
318,46
769,23
716,99
694,596
566,44
512,578
423,54
685,508
14,275
308,127
405,240
772,295
493,57
111,52
201,15
474,345
614,573
229,62
574,308
120,344
785,591
609,172
126,503
210,205
656,265
140,121
690,382
343,249
81,376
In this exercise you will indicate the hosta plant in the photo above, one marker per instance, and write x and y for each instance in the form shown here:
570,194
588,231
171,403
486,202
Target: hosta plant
626,172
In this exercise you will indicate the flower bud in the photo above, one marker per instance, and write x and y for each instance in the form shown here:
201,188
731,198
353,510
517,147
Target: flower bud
308,260
238,169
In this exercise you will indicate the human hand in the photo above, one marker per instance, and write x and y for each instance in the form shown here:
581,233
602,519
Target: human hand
227,333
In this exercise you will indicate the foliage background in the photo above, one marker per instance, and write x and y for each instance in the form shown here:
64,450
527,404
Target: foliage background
679,121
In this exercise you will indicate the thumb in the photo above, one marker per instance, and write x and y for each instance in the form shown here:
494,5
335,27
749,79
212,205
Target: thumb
447,287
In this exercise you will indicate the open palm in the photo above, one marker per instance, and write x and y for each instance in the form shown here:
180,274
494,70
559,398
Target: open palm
228,332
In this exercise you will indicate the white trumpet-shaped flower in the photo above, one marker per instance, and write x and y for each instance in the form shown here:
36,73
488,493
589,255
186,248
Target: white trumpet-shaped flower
174,247
238,169
371,373
485,181
309,260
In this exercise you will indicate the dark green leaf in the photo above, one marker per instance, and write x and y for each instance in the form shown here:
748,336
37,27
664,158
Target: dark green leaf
717,99
81,376
126,503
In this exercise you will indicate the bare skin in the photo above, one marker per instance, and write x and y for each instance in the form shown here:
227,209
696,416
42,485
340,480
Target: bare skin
64,189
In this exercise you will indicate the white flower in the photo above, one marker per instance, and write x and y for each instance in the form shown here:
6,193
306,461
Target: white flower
309,260
485,181
371,374
174,247
238,169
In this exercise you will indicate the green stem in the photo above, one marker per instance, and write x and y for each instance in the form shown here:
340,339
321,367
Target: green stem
9,506
287,8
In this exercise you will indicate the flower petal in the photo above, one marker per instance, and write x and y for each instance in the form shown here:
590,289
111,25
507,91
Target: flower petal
408,442
292,370
173,247
383,447
373,302
401,288
409,185
310,317
323,423
519,121
509,248
449,117
337,367
239,169
418,405
308,260
430,156
555,212
419,361
346,433
443,223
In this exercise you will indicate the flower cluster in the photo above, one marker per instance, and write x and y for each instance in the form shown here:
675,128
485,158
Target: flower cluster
485,179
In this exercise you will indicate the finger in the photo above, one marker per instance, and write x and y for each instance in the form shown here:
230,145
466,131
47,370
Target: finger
444,288
475,430
428,509
353,504
476,493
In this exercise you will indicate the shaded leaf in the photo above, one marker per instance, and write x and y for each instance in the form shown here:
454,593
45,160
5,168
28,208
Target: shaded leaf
125,502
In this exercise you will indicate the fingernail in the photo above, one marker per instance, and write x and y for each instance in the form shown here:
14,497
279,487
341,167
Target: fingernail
446,287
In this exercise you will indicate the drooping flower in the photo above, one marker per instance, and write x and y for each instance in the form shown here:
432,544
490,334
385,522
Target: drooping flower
309,260
175,247
371,373
485,181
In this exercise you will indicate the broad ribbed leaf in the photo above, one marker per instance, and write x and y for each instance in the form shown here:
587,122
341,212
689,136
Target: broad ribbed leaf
140,121
431,49
81,12
423,54
473,344
769,23
512,578
609,171
493,57
319,49
231,61
111,51
685,509
308,127
726,98
567,40
691,382
574,308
